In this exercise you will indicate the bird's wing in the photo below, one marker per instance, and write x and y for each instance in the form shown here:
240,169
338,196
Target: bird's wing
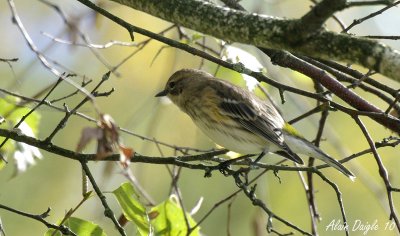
252,120
255,115
252,115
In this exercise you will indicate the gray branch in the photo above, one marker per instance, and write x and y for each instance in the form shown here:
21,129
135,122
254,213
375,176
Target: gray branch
272,32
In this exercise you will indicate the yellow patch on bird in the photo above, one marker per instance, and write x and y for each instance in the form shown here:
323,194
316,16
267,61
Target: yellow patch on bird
232,155
291,130
216,115
260,91
209,98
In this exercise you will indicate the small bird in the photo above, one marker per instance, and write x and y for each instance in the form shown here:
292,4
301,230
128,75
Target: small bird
237,119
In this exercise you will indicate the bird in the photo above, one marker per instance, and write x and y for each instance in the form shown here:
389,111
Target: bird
238,120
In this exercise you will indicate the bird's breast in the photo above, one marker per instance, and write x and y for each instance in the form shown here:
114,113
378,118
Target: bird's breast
232,137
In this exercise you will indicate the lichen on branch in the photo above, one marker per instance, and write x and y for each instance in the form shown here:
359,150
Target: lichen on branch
272,32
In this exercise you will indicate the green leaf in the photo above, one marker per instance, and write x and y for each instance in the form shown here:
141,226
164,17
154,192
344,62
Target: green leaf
184,41
231,76
196,36
23,154
238,55
11,112
133,210
79,227
167,219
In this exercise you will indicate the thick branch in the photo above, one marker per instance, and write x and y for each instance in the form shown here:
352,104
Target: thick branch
317,16
272,32
182,161
390,122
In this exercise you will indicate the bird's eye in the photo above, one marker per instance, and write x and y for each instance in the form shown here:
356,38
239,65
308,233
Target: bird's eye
172,85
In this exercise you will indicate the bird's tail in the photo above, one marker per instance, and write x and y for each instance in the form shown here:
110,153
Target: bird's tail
300,145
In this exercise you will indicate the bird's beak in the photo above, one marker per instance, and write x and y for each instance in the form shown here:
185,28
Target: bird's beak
162,93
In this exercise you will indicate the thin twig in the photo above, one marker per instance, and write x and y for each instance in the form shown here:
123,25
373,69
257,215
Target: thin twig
91,45
313,111
42,59
173,160
382,172
73,210
257,202
32,110
68,112
73,27
182,149
342,72
41,218
368,3
339,198
107,210
229,213
310,194
83,84
361,20
299,65
393,104
390,37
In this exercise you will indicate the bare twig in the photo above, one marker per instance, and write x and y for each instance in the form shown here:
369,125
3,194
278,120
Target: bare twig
339,198
310,193
313,111
250,193
42,59
382,172
91,45
33,109
361,20
73,27
84,83
107,210
68,113
41,218
72,211
342,72
368,3
284,60
228,224
394,104
390,37
182,149
8,60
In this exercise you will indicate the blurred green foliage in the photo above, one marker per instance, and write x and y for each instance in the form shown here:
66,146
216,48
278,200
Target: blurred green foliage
133,210
79,227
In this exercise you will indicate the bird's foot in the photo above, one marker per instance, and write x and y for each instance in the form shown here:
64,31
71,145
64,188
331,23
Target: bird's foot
224,167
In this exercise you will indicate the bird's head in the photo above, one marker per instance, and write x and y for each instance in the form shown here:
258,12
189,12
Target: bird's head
183,81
